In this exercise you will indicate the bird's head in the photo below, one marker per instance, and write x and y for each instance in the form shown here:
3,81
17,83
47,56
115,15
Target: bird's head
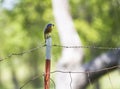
50,25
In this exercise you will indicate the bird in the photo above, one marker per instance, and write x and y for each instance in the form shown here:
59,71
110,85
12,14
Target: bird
48,30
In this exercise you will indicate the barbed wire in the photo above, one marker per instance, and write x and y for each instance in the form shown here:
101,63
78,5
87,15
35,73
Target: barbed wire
72,72
61,46
69,72
32,79
109,68
94,47
22,53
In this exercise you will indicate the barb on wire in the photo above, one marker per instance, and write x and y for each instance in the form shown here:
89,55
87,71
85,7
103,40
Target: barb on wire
21,53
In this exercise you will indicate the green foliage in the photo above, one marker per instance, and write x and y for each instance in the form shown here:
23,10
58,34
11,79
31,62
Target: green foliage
21,29
96,21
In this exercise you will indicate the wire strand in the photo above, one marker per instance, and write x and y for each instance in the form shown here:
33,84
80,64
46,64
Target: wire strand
22,53
27,82
70,72
60,46
54,86
70,80
88,76
94,47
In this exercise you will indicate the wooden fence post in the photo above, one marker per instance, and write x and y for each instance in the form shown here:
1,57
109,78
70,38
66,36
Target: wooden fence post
48,62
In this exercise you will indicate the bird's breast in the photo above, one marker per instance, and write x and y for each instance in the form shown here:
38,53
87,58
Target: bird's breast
48,30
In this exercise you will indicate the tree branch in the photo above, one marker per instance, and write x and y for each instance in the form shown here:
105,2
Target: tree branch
71,58
100,66
67,32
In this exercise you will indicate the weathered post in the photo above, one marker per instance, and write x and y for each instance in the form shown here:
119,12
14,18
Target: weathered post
48,62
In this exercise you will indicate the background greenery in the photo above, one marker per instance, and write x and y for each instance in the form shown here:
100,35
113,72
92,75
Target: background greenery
21,28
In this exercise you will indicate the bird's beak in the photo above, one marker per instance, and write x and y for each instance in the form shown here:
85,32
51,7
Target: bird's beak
53,25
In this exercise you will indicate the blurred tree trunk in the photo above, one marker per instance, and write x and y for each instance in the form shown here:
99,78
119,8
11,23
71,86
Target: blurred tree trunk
71,59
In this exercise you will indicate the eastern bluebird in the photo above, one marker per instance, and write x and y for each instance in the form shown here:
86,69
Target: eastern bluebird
47,31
